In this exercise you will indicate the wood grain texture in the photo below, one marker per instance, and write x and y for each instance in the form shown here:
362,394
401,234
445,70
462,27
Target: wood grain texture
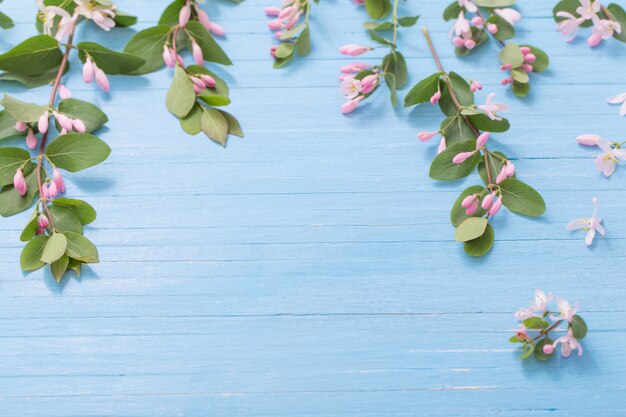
310,269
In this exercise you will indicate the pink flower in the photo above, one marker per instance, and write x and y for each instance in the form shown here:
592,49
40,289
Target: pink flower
19,182
606,28
20,126
495,207
435,97
43,222
541,301
548,349
589,225
567,312
64,121
588,139
31,139
88,70
58,180
351,87
488,200
426,136
462,157
203,17
607,161
294,19
442,145
469,6
184,15
197,53
169,56
588,9
354,50
275,24
354,67
595,39
482,139
368,83
208,80
79,125
510,15
620,98
351,105
491,108
64,92
469,200
523,314
461,26
522,332
52,189
44,192
272,11
569,25
44,121
102,80
216,29
568,344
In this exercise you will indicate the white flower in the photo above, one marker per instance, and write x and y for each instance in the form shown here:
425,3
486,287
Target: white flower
588,9
566,311
607,161
461,27
491,108
570,24
510,15
568,344
589,225
350,88
101,15
605,28
469,6
620,98
541,301
47,15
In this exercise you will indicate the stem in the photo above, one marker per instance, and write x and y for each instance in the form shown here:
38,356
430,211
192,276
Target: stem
482,16
607,13
545,332
395,21
306,15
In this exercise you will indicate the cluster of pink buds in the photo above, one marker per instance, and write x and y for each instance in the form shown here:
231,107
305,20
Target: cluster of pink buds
605,25
533,319
491,202
192,6
475,86
527,66
31,139
355,90
466,33
67,125
201,81
285,18
91,71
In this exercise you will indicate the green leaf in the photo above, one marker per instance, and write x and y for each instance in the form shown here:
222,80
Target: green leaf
32,81
85,213
380,27
210,49
30,229
285,50
281,62
455,129
64,219
495,166
396,64
482,122
215,126
408,21
90,114
579,327
74,152
75,265
148,44
519,75
123,20
34,56
171,12
234,128
514,339
303,44
291,33
54,249
10,160
494,3
505,29
521,89
390,80
542,62
619,15
192,122
181,96
423,90
539,349
59,267
21,110
529,348
452,11
30,259
471,228
511,54
5,21
7,126
11,202
376,37
377,9
442,167
536,323
521,198
108,60
457,214
463,93
81,248
481,245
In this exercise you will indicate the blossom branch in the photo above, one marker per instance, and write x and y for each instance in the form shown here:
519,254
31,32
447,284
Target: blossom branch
607,21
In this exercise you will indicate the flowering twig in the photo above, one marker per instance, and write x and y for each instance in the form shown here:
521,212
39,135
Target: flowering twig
533,320
291,27
494,18
607,22
195,91
463,148
360,80
55,230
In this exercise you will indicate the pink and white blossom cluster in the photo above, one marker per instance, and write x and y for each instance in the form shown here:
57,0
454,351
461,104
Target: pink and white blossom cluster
604,24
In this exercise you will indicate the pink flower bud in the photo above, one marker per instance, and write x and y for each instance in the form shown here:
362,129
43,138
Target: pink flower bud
469,200
31,139
19,182
64,121
588,139
44,121
492,28
272,11
501,176
462,157
216,29
58,180
286,12
477,21
495,207
457,41
198,82
43,222
197,89
469,43
368,83
354,50
482,140
505,67
354,67
530,58
44,192
196,52
475,85
426,136
102,80
52,189
527,67
202,16
507,81
180,60
472,209
275,24
168,56
351,105
442,145
435,97
273,52
64,92
525,50
40,231
509,169
20,126
79,125
184,15
292,22
88,70
488,200
278,35
63,132
208,80
548,349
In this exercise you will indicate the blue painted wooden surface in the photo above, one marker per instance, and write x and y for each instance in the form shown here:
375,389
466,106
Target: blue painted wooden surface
310,269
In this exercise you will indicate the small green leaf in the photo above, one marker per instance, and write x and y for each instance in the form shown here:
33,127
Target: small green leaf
511,54
11,202
54,249
376,37
108,60
442,167
85,213
462,91
75,265
519,75
495,166
481,245
521,89
5,21
471,228
380,27
34,56
21,110
181,96
192,122
377,9
30,259
74,152
64,219
390,80
521,198
285,50
148,44
408,21
210,49
59,267
303,44
31,228
482,122
169,16
81,248
7,126
215,126
456,130
32,81
422,91
123,20
529,348
579,327
90,114
452,11
234,128
536,323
